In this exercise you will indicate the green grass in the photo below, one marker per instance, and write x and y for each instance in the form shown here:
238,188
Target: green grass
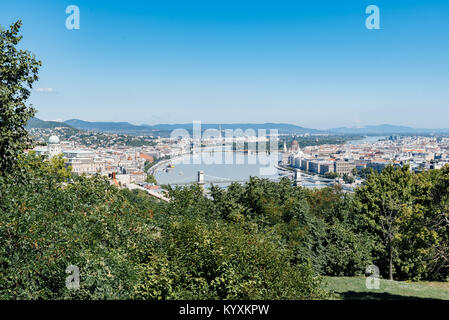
354,288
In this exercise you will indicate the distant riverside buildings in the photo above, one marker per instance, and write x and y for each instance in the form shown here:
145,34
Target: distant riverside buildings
127,162
92,162
323,166
343,167
421,153
341,159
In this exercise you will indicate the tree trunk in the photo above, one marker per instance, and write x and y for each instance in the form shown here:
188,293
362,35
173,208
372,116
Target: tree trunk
390,254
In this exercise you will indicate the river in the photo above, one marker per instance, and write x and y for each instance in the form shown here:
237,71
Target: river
368,139
222,167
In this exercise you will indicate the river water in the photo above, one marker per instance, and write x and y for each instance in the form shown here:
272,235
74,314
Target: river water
222,167
368,139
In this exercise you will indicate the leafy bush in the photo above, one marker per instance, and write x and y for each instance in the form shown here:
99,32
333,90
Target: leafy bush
219,260
47,224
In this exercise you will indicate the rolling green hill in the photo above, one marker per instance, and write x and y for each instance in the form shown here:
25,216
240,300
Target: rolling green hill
35,123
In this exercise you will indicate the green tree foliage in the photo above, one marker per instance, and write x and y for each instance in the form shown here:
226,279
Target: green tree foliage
434,233
218,260
148,165
151,179
331,175
18,72
382,202
346,250
407,214
362,173
126,245
316,225
425,242
70,221
348,179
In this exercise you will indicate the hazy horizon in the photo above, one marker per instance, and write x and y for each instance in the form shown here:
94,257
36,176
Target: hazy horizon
244,122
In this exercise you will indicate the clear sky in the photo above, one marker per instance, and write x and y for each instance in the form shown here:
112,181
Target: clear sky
311,63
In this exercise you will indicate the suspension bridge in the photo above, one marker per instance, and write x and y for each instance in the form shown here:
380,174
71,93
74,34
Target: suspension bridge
202,179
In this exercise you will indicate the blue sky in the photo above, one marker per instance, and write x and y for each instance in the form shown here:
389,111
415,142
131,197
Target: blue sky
311,63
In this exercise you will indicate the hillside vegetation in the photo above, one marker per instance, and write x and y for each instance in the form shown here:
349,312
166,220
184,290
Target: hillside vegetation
262,240
35,123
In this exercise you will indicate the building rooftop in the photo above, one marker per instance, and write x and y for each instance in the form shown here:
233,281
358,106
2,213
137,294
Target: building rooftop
53,140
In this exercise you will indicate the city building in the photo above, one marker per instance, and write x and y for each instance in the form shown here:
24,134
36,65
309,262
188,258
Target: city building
84,162
52,148
343,167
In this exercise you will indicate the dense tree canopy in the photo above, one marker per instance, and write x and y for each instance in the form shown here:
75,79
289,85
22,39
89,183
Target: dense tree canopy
407,214
18,72
126,245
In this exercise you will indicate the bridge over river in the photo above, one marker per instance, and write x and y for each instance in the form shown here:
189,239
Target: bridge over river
296,177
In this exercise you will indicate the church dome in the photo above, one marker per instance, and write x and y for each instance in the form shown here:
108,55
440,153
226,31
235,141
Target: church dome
295,145
53,140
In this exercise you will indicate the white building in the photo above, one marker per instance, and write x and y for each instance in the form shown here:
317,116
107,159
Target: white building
83,161
52,149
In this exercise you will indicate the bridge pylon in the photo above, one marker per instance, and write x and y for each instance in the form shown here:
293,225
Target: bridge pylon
297,178
201,179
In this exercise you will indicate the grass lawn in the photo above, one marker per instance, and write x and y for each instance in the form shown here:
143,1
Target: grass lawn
354,288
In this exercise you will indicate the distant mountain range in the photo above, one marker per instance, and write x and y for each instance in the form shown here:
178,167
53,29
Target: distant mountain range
113,127
125,127
165,129
281,127
41,124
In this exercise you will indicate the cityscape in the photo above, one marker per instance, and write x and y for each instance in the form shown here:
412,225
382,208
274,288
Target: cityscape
126,164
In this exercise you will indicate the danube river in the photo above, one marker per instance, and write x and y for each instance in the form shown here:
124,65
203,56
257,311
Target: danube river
221,166
224,167
367,139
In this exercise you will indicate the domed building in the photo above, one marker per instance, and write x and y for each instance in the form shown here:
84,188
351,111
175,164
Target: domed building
52,149
54,146
295,146
296,155
53,140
